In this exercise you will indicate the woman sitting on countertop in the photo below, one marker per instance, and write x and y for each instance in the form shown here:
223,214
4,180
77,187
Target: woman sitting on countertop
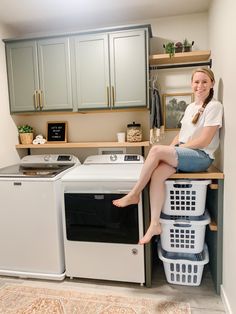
192,149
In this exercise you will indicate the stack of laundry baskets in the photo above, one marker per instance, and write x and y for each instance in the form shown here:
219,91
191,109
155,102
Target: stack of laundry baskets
182,246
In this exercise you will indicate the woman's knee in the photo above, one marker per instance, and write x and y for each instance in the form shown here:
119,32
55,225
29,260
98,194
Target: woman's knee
163,171
155,150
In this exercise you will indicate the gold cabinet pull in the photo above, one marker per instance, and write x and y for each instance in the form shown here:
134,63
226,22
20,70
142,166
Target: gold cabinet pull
108,98
40,100
113,96
36,99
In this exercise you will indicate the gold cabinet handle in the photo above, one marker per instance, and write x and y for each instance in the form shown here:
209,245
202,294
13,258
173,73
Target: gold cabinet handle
36,99
113,96
108,98
40,100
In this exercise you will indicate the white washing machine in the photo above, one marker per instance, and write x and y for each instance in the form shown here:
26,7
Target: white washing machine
101,240
31,237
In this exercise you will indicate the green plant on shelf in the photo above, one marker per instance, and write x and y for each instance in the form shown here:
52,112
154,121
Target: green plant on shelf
187,46
25,128
169,48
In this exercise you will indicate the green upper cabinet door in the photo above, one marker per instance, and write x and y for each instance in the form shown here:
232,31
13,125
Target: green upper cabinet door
39,75
90,71
128,69
23,79
109,70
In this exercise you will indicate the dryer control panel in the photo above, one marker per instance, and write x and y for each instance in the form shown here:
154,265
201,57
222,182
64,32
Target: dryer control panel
114,159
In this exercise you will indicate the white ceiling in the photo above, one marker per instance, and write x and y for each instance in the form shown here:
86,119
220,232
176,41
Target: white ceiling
31,16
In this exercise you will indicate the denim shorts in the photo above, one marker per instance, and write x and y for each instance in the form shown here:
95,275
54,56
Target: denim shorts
192,160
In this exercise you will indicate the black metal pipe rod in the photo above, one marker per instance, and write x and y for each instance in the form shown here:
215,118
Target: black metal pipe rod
180,65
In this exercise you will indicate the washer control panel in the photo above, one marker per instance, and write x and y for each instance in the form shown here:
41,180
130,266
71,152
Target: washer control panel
50,158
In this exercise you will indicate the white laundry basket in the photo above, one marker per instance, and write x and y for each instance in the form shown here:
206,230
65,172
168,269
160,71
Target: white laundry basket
185,197
182,268
183,234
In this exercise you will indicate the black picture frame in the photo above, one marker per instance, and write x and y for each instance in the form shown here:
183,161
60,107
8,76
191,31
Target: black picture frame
57,131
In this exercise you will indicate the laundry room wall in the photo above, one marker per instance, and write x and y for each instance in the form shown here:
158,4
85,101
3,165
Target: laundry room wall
222,24
8,131
104,126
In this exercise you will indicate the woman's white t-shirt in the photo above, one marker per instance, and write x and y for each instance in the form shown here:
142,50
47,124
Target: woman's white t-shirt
211,116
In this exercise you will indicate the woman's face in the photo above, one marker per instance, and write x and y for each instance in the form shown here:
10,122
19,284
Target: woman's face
201,85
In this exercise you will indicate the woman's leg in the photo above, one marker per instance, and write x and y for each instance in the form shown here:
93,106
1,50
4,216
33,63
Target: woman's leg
157,198
156,154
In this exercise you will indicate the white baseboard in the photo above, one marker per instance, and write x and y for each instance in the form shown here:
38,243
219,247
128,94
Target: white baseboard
225,301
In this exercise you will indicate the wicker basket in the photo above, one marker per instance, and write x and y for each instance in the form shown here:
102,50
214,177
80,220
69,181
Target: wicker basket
26,138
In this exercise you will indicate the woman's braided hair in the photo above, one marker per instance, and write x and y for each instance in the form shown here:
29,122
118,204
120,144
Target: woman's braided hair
210,74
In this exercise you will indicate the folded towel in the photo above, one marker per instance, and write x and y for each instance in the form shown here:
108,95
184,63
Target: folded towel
39,140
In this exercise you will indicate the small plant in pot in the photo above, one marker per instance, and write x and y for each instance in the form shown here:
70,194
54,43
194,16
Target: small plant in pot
187,46
178,47
169,48
26,134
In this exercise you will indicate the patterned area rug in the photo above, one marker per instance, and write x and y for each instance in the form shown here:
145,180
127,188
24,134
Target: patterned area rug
18,299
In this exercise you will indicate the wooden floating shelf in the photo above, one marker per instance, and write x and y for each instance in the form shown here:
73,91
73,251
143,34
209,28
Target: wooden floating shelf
181,57
211,173
84,145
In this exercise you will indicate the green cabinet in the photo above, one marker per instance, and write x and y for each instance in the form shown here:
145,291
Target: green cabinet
109,70
39,75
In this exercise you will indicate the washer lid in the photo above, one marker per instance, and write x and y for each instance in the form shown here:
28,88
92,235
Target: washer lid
33,170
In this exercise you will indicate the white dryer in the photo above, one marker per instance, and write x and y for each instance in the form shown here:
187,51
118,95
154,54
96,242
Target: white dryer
101,240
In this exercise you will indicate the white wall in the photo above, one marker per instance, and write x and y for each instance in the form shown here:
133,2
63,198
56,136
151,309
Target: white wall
8,131
222,25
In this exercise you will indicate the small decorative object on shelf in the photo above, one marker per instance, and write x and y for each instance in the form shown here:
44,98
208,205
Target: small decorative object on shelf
26,134
187,46
178,47
134,132
57,131
169,48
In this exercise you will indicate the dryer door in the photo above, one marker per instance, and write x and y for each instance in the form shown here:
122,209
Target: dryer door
93,218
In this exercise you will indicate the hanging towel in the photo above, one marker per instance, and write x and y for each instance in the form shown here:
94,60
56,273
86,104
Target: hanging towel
156,117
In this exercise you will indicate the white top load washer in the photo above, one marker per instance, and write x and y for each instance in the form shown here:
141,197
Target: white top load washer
31,239
101,240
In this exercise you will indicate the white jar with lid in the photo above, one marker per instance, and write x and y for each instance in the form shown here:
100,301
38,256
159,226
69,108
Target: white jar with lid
134,132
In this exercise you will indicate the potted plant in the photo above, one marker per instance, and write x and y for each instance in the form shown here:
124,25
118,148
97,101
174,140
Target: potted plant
178,47
169,48
187,46
26,134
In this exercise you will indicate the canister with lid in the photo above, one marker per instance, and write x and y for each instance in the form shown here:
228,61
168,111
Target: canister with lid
134,132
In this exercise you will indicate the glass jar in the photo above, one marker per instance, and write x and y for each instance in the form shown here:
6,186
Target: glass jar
134,132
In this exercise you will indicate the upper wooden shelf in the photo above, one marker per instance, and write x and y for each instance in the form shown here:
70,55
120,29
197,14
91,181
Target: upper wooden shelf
84,145
181,57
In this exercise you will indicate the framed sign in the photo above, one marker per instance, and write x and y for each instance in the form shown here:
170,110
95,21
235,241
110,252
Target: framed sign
57,131
174,108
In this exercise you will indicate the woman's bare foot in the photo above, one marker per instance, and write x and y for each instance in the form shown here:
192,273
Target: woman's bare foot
126,200
154,229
